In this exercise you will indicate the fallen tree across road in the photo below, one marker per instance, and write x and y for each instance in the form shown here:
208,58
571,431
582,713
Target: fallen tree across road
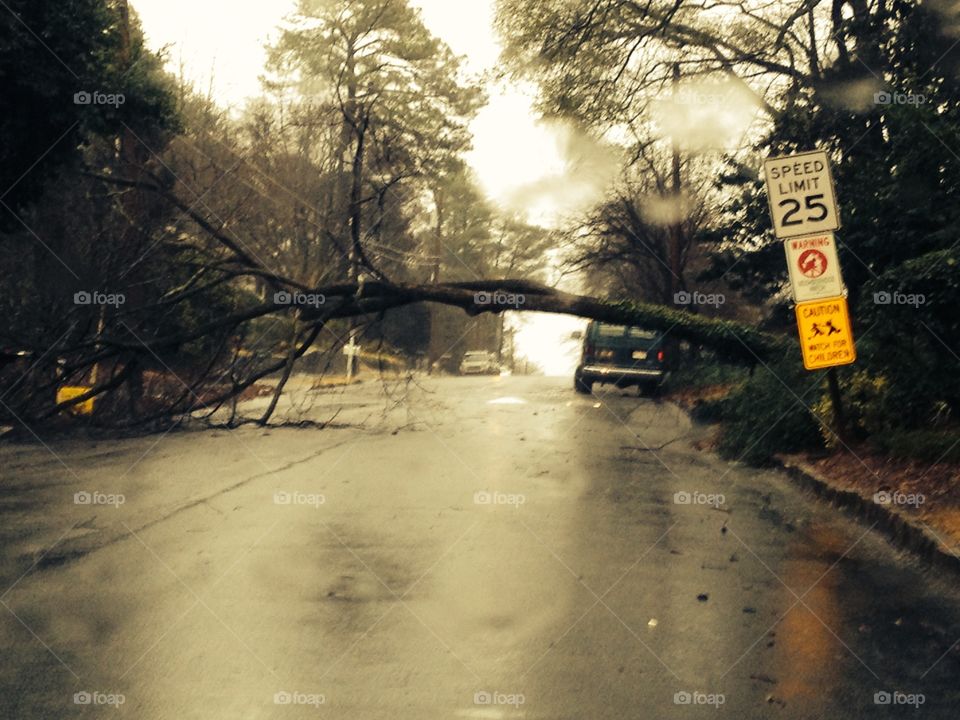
225,350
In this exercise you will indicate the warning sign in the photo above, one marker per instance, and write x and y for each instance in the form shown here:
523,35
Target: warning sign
825,335
814,267
800,190
69,392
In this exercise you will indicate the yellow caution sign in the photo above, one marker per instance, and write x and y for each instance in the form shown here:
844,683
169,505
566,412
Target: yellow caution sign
69,392
825,335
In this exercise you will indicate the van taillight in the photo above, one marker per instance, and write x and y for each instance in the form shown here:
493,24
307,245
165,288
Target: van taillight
660,356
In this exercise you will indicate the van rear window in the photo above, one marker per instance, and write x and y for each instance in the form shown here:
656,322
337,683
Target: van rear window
604,330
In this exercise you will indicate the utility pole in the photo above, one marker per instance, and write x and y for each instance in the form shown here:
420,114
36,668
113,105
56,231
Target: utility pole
676,229
350,350
131,157
355,248
675,251
433,349
354,210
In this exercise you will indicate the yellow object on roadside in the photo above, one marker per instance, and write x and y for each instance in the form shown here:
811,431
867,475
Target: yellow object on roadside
68,392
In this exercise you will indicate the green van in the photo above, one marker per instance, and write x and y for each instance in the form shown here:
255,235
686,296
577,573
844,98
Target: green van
621,355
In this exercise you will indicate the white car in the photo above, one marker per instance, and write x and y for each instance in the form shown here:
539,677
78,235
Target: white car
479,362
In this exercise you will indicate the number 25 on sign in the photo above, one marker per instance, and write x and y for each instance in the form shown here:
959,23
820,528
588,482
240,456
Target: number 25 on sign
801,194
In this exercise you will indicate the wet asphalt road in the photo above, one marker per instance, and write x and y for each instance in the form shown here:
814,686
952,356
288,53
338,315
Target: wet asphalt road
494,548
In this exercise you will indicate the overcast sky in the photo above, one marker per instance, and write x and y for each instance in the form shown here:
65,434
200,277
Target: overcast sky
224,40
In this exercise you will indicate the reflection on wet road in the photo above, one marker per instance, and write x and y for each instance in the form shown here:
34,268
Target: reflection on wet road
516,551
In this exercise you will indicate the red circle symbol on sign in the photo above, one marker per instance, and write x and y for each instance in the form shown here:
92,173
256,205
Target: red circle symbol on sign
812,263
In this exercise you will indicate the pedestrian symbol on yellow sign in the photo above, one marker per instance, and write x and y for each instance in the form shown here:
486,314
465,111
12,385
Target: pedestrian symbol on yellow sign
817,330
825,336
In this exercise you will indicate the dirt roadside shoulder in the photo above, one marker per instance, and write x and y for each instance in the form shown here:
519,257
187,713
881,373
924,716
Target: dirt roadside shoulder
915,504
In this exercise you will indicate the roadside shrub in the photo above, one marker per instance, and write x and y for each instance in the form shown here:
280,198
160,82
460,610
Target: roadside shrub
710,381
769,414
704,371
910,326
708,410
865,404
929,445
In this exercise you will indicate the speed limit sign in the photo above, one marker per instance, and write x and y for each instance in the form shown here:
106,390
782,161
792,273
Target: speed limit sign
801,194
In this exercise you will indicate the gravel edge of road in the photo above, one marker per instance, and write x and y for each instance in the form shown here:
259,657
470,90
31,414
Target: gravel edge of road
901,531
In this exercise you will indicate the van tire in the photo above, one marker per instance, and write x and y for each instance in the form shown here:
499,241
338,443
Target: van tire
650,390
582,386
